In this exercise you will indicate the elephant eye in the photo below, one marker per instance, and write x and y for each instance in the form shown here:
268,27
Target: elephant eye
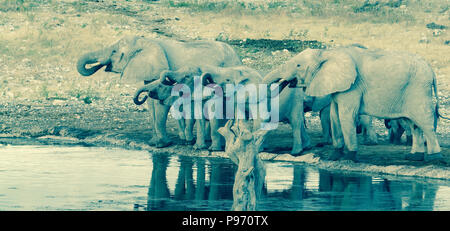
298,65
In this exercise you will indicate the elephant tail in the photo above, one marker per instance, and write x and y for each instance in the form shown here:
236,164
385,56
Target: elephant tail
138,94
437,102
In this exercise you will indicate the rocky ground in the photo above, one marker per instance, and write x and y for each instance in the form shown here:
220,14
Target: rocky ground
44,100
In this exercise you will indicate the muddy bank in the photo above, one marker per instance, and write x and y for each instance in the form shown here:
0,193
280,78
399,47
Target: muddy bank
119,123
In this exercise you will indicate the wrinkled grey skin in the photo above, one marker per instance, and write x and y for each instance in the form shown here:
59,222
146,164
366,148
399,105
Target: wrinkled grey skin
386,85
140,59
322,105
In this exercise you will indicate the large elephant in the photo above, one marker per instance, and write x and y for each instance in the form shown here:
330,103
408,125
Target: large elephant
290,108
143,59
378,83
322,105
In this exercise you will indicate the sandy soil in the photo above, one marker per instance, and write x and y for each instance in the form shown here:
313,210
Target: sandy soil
119,123
43,98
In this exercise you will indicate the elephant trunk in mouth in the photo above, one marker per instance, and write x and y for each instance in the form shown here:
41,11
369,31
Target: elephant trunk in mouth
89,58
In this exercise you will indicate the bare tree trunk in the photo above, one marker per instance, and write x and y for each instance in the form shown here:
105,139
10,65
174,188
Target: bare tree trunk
242,147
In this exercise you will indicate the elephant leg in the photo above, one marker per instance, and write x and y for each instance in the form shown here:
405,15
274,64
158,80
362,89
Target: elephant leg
207,131
433,148
418,147
338,140
297,142
154,140
181,129
306,140
161,112
200,142
188,131
370,136
407,130
395,132
348,109
301,140
326,126
216,138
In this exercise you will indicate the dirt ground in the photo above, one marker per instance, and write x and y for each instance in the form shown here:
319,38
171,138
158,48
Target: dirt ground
43,100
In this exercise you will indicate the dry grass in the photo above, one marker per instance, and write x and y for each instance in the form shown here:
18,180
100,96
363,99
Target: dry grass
40,41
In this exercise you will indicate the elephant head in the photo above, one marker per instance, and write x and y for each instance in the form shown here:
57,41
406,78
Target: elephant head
321,72
130,57
162,88
229,75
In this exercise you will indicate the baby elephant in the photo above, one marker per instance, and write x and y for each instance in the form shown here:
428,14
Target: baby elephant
194,82
396,128
219,80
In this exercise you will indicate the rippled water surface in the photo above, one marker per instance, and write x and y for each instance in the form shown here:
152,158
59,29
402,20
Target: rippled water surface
87,178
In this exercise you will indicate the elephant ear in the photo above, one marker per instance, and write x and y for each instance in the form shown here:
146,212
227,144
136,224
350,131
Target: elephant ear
335,72
145,64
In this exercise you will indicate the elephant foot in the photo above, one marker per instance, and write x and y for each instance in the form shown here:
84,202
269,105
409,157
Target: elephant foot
322,144
419,156
162,143
153,141
189,142
216,148
337,154
297,153
199,146
409,140
351,155
436,157
370,142
182,136
297,150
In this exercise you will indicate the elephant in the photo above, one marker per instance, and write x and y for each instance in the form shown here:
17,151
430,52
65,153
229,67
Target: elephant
143,59
322,105
242,75
382,84
396,128
161,90
216,76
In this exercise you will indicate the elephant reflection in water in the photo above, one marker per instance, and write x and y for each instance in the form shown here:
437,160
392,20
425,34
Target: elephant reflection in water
220,182
349,192
298,191
158,191
184,187
359,193
422,197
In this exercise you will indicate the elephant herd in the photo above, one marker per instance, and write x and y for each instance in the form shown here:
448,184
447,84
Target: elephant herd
347,86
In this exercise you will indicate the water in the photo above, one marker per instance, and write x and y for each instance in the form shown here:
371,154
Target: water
88,178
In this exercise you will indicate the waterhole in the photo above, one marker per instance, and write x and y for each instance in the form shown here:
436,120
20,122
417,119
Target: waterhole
92,178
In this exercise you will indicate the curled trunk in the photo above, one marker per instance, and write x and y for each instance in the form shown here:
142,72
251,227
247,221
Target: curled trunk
89,58
138,94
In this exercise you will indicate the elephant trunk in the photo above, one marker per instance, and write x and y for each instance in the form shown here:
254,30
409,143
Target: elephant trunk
90,58
138,94
273,76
